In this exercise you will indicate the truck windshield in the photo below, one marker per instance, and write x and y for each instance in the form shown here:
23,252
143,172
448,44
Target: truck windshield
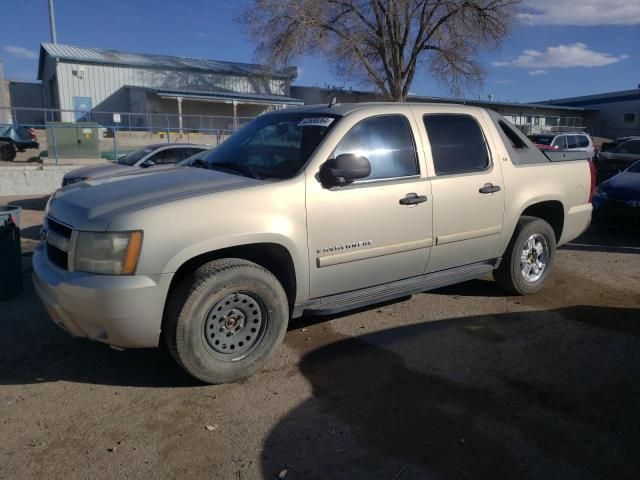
275,145
635,168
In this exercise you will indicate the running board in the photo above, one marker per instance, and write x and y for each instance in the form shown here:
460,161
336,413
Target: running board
389,291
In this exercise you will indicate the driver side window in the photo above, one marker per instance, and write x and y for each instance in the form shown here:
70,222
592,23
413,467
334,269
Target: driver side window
560,143
386,141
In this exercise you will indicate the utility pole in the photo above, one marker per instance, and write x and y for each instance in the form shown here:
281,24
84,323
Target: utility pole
52,23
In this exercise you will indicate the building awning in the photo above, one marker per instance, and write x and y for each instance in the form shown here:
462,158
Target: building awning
229,97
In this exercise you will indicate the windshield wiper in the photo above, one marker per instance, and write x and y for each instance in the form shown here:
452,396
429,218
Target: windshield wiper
246,170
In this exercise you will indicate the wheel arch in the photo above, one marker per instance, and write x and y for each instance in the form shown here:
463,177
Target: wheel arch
551,211
274,257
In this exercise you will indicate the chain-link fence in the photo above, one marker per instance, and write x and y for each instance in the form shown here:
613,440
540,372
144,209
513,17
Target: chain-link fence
109,135
532,124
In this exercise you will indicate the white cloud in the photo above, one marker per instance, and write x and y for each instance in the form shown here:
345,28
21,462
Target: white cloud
582,13
21,52
538,72
562,56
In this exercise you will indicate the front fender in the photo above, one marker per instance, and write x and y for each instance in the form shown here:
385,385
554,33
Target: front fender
239,240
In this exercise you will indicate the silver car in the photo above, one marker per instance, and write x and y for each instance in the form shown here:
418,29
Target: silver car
158,154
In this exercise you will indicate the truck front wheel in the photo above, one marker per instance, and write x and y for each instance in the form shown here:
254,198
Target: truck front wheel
529,257
225,320
7,151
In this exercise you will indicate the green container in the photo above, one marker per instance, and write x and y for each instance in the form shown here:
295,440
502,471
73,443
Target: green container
10,261
73,140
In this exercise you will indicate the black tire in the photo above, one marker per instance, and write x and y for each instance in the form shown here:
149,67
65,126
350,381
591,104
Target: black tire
509,275
7,151
190,311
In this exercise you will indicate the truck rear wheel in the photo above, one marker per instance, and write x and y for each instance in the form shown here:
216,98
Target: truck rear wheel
7,151
529,257
225,320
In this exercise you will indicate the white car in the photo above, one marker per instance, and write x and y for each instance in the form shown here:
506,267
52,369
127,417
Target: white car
578,142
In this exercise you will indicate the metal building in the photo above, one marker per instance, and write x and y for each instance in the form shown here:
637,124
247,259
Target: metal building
84,80
616,114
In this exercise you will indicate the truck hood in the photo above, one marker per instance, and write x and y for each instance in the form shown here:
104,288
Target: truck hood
92,204
101,170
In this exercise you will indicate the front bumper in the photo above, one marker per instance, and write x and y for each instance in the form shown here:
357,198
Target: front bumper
122,311
615,213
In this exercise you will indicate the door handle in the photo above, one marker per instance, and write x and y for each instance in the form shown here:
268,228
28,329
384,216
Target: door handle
413,199
489,188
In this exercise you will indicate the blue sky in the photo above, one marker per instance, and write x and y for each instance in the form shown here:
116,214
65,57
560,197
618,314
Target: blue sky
558,48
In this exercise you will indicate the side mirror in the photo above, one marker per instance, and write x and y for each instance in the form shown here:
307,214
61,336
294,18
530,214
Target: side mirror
344,169
148,163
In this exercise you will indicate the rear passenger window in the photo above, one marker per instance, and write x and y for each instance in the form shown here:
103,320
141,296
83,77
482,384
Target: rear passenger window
583,141
514,138
387,143
457,143
572,141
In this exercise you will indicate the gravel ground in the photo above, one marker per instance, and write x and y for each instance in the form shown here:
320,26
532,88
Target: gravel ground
462,382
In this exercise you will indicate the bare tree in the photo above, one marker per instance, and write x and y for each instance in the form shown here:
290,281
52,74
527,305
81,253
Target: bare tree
383,42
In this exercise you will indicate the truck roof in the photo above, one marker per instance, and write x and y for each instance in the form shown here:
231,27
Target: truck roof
346,108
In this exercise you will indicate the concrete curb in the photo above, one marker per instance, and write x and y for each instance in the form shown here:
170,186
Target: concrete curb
32,179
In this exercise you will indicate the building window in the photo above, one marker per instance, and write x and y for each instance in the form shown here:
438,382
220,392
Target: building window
630,117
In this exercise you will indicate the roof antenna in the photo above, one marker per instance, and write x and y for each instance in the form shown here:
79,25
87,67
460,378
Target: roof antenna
333,101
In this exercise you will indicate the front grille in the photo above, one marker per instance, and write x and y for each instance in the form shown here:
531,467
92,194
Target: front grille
58,241
58,228
58,257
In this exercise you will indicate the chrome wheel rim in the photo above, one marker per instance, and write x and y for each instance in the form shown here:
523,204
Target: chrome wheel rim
234,326
534,258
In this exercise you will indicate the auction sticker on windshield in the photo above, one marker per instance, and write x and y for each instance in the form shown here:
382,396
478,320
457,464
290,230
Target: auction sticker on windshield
316,122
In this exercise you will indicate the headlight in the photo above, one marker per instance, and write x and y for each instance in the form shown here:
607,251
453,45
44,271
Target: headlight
110,253
601,193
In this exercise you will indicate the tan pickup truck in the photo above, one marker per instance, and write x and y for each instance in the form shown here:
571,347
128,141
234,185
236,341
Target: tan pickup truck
312,210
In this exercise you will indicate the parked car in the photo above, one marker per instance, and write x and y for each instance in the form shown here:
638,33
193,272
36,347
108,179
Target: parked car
578,142
368,203
159,154
620,158
609,146
617,200
16,139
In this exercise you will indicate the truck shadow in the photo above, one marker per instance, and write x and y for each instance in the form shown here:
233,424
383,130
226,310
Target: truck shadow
34,350
606,239
547,394
34,203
